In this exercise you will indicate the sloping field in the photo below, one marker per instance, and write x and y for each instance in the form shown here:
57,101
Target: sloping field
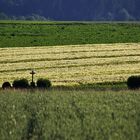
73,64
27,34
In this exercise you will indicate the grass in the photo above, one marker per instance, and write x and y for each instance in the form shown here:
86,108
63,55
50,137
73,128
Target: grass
24,34
70,115
73,109
73,65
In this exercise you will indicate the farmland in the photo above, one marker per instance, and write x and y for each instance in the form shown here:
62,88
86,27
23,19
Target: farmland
72,65
26,34
78,57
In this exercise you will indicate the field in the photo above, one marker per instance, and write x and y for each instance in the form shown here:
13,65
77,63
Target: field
88,65
23,34
72,65
70,115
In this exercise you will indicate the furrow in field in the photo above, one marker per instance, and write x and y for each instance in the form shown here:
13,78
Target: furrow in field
68,63
45,52
89,70
70,56
71,48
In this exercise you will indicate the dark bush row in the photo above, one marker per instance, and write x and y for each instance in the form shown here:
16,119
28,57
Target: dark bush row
24,84
133,82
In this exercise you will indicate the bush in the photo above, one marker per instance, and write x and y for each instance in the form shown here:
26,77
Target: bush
32,84
6,85
44,83
133,82
21,84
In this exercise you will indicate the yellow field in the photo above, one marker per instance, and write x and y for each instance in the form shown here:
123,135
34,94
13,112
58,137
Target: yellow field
70,65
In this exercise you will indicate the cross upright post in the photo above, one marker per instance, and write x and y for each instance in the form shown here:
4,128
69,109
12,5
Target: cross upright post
32,73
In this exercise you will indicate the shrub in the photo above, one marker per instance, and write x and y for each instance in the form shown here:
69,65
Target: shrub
6,85
32,84
44,83
21,84
133,82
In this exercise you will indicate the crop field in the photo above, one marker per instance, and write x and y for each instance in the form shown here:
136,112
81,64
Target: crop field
73,64
26,34
70,115
71,55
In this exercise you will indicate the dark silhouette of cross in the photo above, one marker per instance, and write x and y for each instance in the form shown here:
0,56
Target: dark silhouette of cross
32,73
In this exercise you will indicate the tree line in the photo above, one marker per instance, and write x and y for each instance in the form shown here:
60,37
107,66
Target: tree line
111,10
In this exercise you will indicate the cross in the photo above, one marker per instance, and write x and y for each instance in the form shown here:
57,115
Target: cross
32,73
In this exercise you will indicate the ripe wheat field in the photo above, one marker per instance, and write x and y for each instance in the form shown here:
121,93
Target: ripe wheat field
72,64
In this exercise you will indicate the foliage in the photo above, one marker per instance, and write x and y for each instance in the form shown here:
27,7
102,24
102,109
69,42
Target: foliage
20,84
90,10
76,115
32,84
66,33
43,83
133,82
6,85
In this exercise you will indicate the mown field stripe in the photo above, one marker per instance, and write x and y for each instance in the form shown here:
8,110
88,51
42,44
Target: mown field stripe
74,66
74,58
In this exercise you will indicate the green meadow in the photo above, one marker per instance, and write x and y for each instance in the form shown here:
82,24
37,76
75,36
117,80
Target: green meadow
24,34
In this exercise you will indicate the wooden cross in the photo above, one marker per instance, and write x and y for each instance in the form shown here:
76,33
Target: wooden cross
32,73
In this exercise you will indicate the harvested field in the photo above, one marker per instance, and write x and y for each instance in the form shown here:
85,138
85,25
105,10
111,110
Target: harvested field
72,64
